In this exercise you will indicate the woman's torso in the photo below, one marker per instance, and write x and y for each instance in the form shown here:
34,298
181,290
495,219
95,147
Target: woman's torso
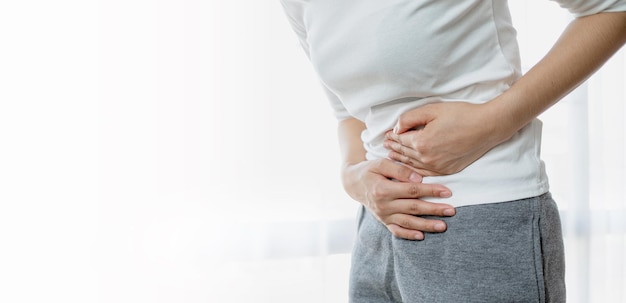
379,59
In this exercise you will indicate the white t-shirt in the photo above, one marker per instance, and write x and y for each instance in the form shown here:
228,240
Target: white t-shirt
378,59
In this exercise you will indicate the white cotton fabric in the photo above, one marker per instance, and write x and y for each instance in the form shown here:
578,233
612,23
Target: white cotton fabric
379,59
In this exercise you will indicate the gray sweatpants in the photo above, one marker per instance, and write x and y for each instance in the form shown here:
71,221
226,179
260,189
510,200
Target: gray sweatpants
498,252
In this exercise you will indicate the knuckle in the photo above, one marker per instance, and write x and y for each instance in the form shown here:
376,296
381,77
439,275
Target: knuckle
396,148
393,145
381,208
399,157
404,171
394,156
379,192
421,146
405,222
429,161
414,190
414,207
405,156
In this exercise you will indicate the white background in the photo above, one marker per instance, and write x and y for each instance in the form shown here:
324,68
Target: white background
143,142
180,151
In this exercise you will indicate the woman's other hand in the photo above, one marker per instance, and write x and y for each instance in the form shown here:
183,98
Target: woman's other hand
392,192
444,138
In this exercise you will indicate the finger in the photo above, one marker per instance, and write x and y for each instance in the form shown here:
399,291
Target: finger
412,141
402,149
393,137
413,119
405,160
421,168
387,191
409,156
405,233
417,223
393,170
420,207
385,194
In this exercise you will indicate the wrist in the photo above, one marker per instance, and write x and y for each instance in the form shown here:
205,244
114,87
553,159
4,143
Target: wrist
504,118
350,177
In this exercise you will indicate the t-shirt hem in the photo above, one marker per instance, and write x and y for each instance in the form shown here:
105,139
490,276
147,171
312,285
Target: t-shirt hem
463,198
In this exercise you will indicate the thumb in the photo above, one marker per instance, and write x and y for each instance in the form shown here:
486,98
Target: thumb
414,119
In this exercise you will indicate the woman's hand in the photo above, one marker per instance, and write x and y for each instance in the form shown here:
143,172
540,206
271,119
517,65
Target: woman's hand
392,192
455,134
444,138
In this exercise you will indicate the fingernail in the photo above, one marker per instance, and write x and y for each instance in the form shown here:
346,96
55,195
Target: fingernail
445,194
449,212
415,177
419,237
395,129
440,226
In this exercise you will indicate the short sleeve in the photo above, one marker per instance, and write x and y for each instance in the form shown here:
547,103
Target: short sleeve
589,7
295,11
340,111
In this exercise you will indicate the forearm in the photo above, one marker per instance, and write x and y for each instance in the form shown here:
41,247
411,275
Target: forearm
584,46
374,184
454,135
350,144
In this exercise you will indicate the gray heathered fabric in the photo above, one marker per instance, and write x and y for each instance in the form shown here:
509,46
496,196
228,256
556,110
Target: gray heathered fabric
499,252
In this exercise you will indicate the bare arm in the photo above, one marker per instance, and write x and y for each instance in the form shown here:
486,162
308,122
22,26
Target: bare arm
350,144
391,191
586,44
456,134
